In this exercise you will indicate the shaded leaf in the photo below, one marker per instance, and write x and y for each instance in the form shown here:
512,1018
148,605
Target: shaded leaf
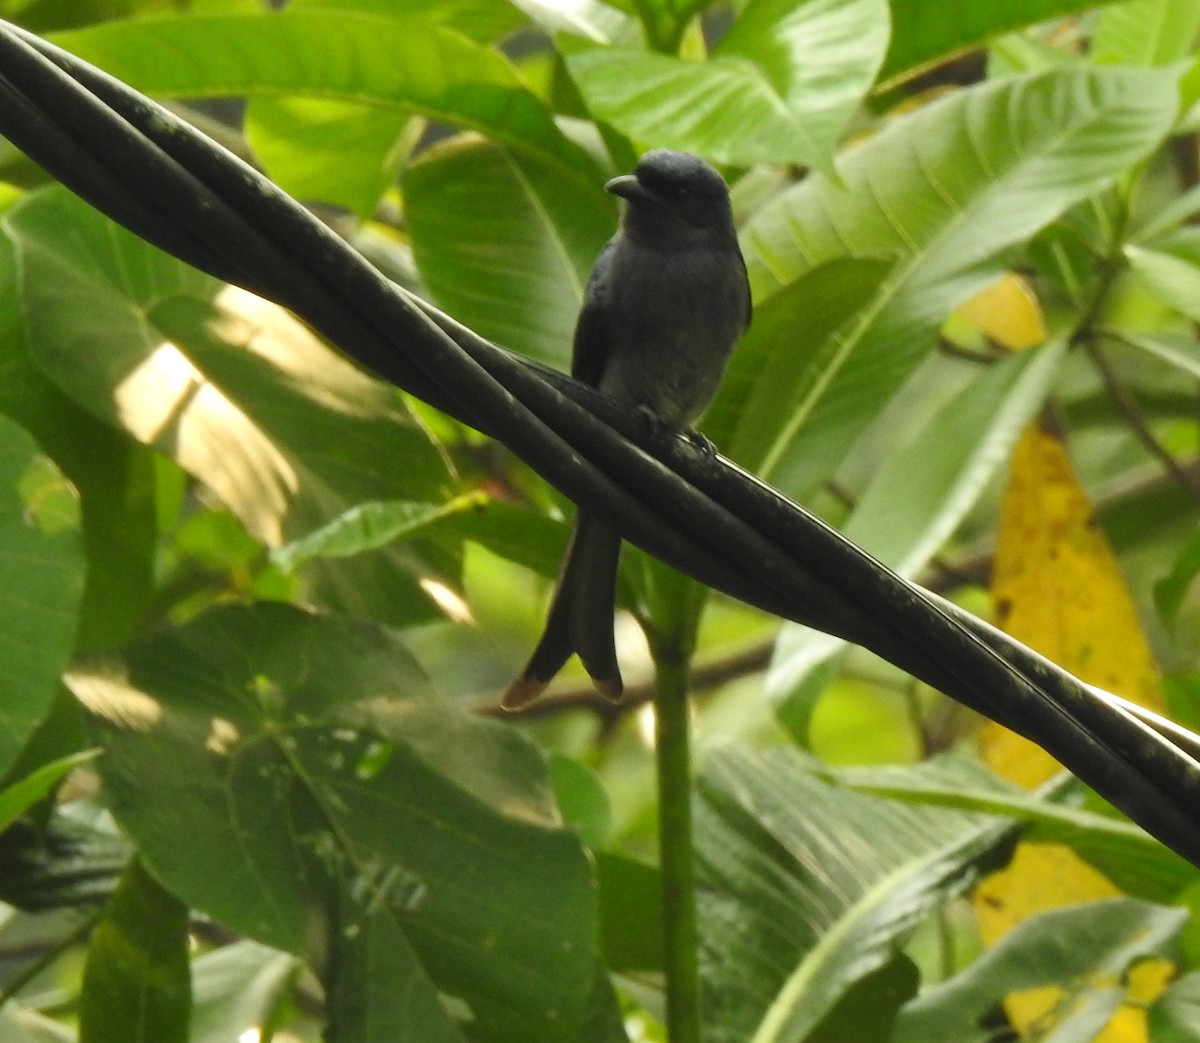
1175,1018
368,526
313,765
112,475
1125,853
20,796
796,908
41,576
1085,950
918,498
137,982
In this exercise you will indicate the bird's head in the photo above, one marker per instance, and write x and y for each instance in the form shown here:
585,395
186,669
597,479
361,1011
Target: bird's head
674,198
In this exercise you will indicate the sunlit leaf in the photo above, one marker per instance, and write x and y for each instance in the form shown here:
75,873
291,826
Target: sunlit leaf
780,87
923,33
947,192
279,427
1146,32
505,242
347,55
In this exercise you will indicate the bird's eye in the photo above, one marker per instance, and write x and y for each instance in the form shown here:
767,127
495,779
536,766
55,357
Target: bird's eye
680,192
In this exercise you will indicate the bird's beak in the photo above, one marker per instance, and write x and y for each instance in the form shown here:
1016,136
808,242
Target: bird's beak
627,186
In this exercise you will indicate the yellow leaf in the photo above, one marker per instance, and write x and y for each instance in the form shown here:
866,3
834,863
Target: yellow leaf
1057,587
1007,312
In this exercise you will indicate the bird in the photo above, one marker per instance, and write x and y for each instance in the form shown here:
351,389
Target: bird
667,300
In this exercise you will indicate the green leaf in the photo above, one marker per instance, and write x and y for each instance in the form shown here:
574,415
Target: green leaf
1181,352
923,33
480,20
919,496
505,241
137,983
21,1024
341,55
323,151
780,87
1170,591
20,796
1170,270
756,397
869,1008
581,798
277,426
1085,950
312,764
236,988
1146,32
1175,1015
112,475
948,191
630,899
1123,852
369,526
41,574
782,943
377,990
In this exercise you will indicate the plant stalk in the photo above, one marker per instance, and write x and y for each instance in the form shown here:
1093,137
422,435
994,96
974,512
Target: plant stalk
680,938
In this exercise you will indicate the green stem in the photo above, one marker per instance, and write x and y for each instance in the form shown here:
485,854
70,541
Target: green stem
673,753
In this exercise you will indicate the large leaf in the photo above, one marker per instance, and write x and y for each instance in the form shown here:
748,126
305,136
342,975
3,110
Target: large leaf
41,576
505,241
1125,853
1147,32
347,153
780,87
113,476
1085,949
947,192
923,32
236,988
282,430
918,498
137,983
324,151
807,889
325,792
395,62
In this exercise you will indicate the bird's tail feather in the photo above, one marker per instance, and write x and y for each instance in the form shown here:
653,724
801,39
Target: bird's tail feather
580,618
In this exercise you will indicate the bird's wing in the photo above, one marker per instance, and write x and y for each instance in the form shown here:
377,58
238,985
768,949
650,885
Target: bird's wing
749,303
590,353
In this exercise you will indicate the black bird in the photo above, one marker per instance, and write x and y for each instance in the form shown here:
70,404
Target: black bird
665,304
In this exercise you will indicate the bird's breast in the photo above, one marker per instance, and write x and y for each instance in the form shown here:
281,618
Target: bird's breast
673,319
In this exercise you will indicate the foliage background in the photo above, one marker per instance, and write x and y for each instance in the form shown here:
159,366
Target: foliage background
257,606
